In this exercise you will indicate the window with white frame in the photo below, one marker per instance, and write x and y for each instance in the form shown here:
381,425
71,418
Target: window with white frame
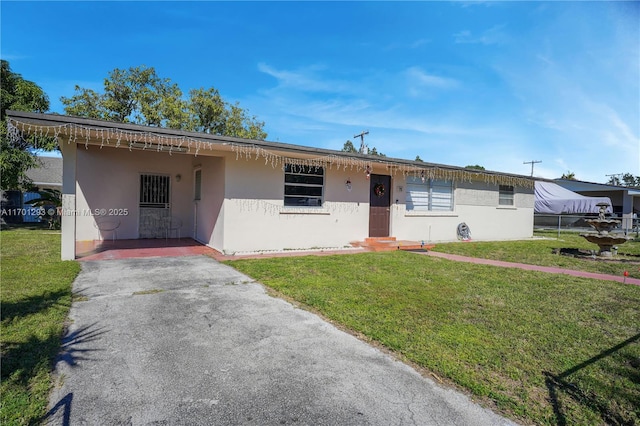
429,195
505,197
303,185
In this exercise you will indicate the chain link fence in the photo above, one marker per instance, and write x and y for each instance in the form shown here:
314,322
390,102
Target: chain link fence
578,223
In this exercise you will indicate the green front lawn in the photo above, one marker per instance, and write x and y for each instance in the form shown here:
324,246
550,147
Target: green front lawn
540,348
35,298
544,251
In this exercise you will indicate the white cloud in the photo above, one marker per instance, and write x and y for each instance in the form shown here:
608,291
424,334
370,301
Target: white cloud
9,57
419,79
494,35
416,44
530,100
420,42
304,79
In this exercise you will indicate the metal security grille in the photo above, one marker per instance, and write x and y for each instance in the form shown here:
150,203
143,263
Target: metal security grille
154,191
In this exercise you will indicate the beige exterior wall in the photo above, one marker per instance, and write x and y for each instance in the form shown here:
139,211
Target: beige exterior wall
256,218
208,216
242,209
108,179
476,204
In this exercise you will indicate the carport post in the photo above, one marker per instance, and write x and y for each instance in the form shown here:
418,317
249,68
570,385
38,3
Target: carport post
68,214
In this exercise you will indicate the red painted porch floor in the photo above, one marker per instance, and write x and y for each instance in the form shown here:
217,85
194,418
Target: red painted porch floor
172,247
128,249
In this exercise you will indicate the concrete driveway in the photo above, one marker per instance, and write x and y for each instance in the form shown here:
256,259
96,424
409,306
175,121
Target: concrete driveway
189,341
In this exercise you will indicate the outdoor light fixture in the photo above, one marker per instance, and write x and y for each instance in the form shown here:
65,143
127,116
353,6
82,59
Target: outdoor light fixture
178,177
156,147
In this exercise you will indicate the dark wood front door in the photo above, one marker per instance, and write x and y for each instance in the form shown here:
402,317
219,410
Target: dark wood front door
379,205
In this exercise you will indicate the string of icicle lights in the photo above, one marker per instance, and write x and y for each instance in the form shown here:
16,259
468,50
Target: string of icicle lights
72,133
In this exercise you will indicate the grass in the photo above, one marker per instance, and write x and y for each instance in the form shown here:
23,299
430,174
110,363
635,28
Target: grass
543,252
539,348
151,291
35,299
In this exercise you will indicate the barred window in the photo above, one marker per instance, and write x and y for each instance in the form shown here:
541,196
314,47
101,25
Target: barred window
154,191
430,195
505,197
303,185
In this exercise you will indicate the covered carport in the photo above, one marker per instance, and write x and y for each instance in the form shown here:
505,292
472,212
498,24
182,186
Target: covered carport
625,200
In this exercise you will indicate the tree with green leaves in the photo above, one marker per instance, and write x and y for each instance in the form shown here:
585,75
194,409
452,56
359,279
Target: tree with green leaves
17,156
374,151
631,180
138,95
627,179
474,167
418,159
569,176
348,147
50,202
614,180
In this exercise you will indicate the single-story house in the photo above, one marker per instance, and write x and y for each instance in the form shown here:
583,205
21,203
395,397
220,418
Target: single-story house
238,195
625,200
47,175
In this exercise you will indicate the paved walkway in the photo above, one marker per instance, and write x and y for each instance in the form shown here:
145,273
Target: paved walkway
131,249
524,266
188,341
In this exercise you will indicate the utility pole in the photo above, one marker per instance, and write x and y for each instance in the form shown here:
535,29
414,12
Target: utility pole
532,162
615,179
363,147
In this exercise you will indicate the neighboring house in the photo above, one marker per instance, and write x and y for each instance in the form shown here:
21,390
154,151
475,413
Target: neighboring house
239,195
48,175
625,200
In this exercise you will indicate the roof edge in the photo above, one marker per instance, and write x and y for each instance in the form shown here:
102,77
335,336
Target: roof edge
57,120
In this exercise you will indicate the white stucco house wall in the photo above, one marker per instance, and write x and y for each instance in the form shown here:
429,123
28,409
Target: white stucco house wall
238,195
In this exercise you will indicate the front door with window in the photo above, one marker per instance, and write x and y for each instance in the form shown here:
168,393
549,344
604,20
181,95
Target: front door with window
155,205
379,205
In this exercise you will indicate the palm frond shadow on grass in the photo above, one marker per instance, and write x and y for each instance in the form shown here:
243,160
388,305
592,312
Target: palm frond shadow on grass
32,305
557,383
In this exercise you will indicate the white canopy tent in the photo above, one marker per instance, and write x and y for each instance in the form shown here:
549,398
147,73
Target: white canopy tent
551,198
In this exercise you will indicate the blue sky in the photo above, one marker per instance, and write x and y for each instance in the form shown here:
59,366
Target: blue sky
458,83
